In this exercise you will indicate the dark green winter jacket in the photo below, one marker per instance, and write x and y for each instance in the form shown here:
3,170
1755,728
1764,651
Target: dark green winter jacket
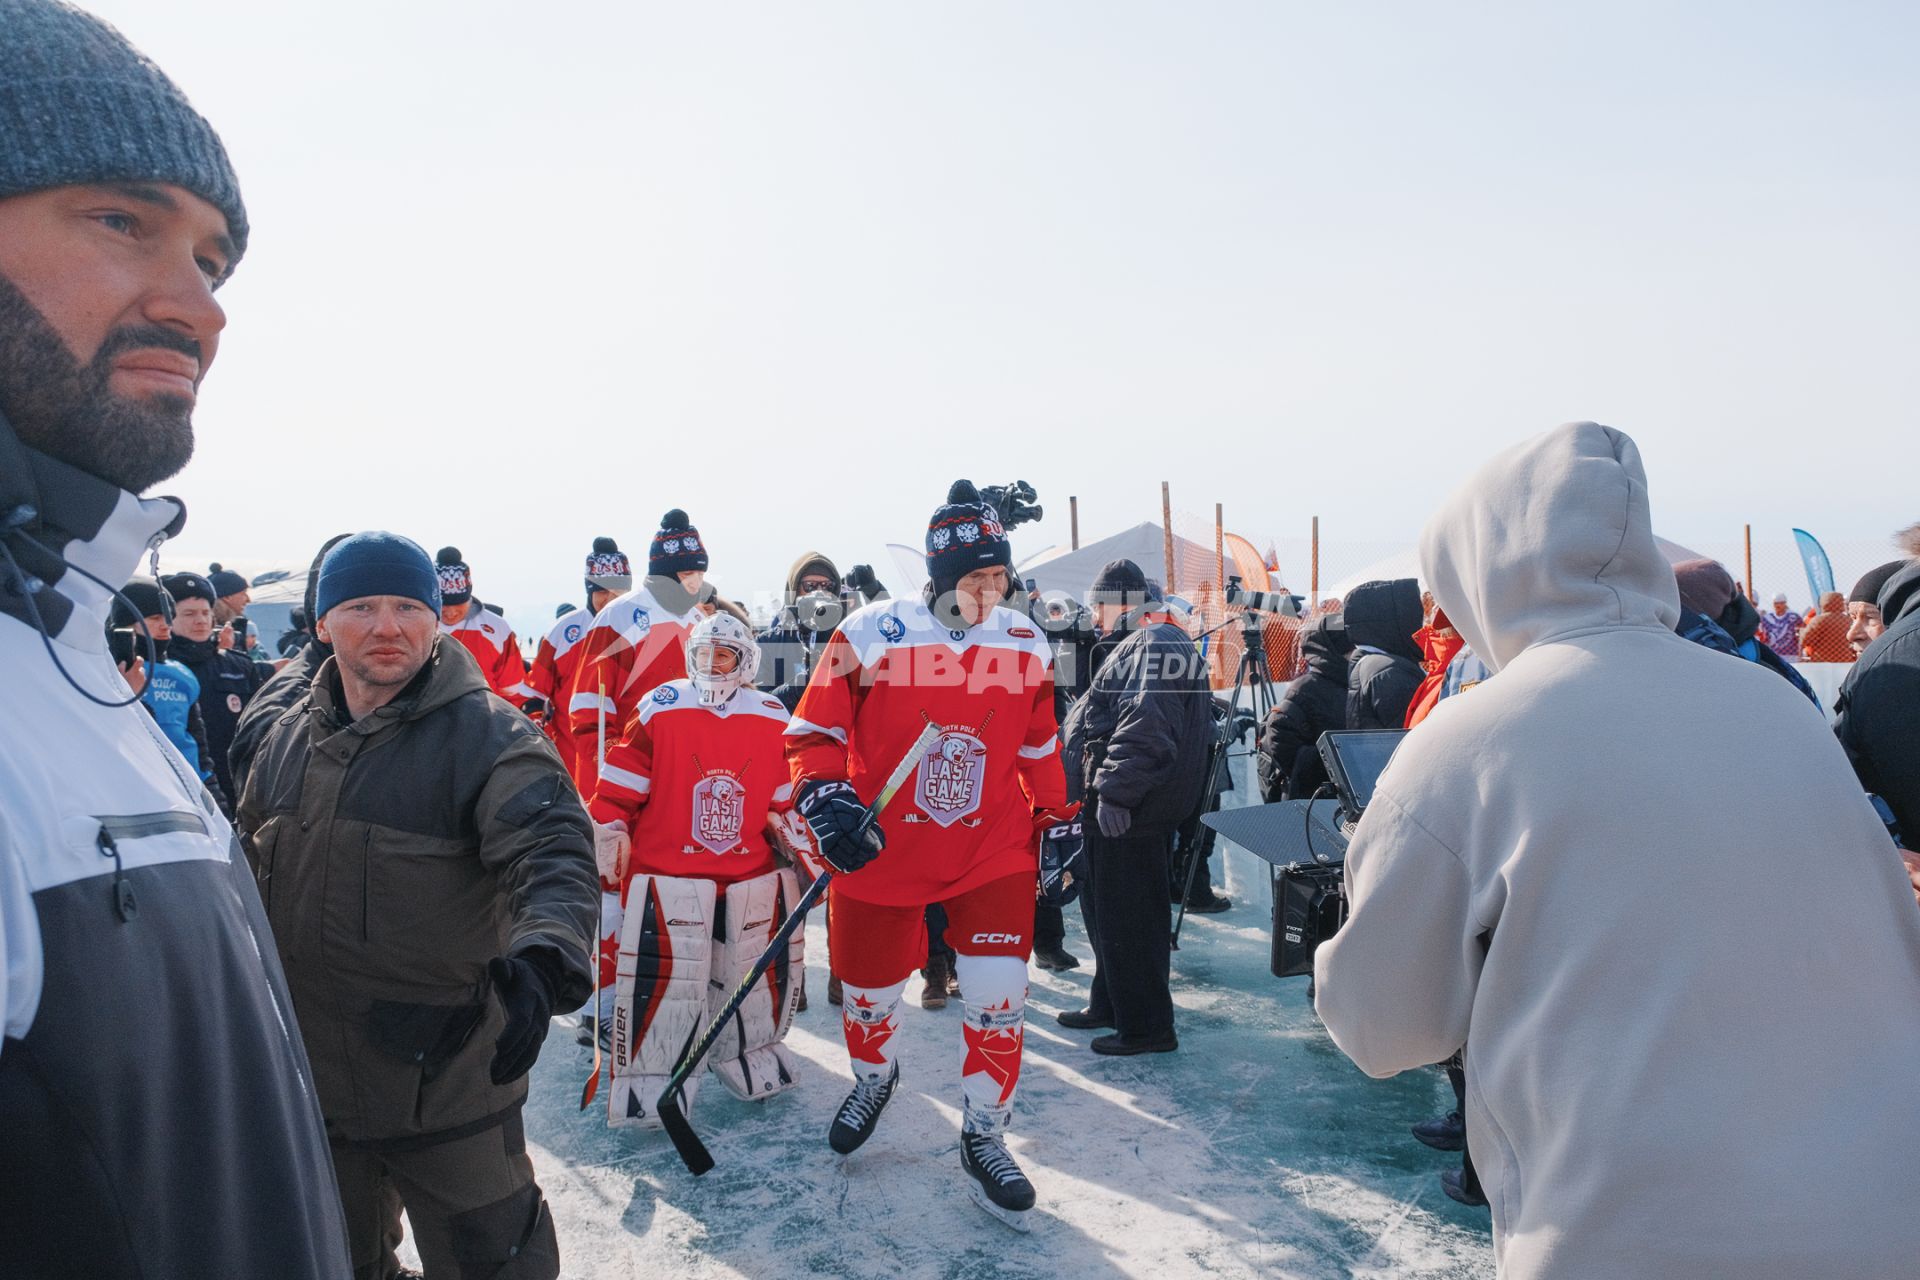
396,856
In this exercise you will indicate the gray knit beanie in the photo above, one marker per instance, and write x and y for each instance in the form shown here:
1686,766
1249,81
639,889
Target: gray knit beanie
79,104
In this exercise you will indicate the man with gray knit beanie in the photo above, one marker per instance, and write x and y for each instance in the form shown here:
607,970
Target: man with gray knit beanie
157,1105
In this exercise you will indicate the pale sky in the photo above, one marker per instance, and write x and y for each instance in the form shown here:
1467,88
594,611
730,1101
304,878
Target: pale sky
522,276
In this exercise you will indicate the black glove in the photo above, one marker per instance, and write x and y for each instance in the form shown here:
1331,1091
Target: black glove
1114,821
834,812
862,579
1062,865
525,984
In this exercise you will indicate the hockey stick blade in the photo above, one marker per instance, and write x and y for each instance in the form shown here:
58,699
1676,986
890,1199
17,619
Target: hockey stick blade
693,1152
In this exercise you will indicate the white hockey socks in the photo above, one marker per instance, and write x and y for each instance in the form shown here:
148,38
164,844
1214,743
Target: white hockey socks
869,1016
995,992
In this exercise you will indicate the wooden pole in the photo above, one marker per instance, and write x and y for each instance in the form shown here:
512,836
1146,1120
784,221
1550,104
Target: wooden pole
1073,515
1751,597
1314,598
1166,531
1220,550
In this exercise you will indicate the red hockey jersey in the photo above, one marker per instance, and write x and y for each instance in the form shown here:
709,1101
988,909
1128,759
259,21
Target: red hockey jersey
552,673
633,646
494,646
695,784
966,816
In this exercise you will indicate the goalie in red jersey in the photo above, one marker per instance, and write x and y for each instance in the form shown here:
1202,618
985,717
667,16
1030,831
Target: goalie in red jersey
682,811
964,832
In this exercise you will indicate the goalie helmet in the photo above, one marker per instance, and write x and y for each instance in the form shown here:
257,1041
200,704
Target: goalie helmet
711,635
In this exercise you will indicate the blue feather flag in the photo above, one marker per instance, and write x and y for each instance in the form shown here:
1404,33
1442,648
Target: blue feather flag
1819,568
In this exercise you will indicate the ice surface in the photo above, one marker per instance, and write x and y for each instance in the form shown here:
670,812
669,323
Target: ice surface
1255,1150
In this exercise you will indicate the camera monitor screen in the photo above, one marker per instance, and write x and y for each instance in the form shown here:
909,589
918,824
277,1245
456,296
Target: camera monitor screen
1355,760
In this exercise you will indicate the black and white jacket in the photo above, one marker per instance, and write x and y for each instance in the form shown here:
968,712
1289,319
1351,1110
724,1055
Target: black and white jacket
157,1113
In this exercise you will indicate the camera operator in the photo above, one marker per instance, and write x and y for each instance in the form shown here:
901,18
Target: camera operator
816,600
1136,744
1290,766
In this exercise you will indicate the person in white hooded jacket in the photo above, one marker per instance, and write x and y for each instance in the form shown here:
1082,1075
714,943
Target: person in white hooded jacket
1690,1048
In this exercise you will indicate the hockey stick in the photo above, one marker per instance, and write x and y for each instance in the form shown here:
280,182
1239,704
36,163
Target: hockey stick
600,763
692,1151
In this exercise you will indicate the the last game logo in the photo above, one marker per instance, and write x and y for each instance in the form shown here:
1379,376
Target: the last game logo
949,778
719,811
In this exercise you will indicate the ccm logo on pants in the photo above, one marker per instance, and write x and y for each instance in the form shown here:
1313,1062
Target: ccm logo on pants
998,939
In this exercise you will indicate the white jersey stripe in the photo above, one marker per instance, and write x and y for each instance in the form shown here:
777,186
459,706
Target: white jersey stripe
1040,752
796,727
621,778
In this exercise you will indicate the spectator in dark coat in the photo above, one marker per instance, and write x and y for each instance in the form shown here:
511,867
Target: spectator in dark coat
1877,714
1289,764
1384,671
287,688
429,876
1864,623
1136,749
1715,614
228,679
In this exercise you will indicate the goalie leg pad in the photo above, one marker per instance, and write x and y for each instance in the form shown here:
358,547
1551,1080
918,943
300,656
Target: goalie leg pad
660,996
611,913
748,1056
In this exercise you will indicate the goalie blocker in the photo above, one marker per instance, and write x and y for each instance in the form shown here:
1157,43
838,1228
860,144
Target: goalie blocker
684,945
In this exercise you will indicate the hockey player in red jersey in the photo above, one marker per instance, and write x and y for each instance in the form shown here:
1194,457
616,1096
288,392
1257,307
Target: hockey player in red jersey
963,833
485,633
682,809
638,640
608,575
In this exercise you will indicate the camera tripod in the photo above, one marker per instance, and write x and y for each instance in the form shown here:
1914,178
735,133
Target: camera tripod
1196,839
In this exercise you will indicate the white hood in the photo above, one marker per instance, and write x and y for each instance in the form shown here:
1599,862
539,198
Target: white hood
1639,881
1510,578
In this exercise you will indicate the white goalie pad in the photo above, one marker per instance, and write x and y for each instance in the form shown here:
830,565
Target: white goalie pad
794,840
660,991
748,1056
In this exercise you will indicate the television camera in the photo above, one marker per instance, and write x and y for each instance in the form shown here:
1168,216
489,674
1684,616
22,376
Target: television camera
1304,843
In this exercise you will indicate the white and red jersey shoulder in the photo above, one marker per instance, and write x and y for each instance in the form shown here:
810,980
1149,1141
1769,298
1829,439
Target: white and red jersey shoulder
634,645
968,813
490,639
696,784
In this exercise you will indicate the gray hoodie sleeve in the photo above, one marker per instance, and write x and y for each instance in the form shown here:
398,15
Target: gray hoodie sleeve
1395,986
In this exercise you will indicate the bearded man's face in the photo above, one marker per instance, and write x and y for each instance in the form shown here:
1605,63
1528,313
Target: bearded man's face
108,324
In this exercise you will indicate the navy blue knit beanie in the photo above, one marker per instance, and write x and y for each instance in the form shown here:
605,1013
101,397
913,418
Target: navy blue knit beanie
965,534
607,568
677,548
376,564
1121,582
79,104
456,578
189,586
225,581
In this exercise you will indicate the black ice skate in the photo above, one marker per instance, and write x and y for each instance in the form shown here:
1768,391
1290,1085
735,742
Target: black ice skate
998,1186
861,1112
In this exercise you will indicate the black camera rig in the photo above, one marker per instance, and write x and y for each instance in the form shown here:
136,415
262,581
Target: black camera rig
1014,503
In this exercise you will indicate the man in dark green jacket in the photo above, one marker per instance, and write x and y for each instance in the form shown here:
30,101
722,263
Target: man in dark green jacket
429,875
